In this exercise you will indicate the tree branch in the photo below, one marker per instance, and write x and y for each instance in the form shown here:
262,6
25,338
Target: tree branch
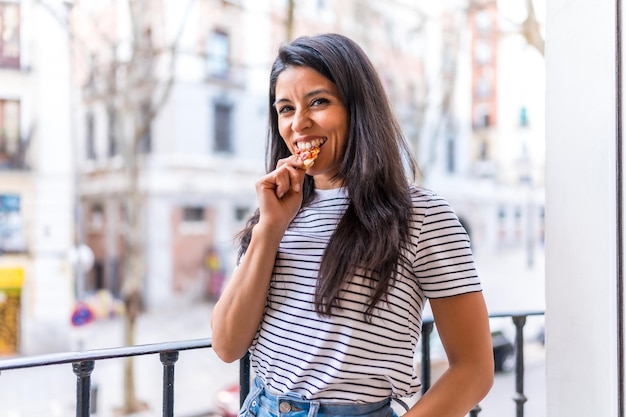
530,29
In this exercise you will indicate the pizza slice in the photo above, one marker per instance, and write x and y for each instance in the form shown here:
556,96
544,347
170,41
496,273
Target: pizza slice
308,155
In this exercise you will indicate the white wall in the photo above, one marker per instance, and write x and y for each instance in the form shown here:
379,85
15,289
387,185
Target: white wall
48,292
581,329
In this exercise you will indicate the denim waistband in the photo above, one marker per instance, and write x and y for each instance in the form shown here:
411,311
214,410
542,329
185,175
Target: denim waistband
295,405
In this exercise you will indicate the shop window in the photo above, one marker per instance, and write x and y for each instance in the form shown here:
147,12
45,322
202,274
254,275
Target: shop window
193,214
193,221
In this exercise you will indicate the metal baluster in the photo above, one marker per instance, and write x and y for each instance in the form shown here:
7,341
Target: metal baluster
244,378
168,359
83,370
427,329
519,397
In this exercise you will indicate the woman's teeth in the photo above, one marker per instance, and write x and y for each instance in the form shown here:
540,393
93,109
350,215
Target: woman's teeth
315,143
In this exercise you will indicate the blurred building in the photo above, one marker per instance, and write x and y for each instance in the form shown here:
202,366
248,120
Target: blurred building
36,178
483,142
196,162
465,85
202,154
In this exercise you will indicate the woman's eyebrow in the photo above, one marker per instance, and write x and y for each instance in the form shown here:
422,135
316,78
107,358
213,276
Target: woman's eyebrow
281,100
318,91
307,95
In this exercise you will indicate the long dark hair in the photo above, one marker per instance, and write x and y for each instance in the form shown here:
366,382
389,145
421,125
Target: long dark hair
371,233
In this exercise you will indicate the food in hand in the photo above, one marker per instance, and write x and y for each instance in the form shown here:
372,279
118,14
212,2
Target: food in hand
308,152
309,156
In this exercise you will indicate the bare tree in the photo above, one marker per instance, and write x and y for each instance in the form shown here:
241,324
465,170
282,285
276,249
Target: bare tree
530,29
132,79
444,103
291,8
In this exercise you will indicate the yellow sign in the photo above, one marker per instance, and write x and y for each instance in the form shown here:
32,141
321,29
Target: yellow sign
10,325
11,282
11,277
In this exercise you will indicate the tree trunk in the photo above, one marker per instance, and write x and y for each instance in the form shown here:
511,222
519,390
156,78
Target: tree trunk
289,22
131,404
134,271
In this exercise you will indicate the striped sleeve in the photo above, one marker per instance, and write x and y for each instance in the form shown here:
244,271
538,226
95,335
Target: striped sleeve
444,265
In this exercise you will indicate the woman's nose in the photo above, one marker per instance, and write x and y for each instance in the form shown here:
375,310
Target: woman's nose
301,121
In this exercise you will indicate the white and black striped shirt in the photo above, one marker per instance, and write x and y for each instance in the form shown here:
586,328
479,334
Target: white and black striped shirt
345,357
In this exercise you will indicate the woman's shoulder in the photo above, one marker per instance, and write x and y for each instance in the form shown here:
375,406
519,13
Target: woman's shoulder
423,194
429,203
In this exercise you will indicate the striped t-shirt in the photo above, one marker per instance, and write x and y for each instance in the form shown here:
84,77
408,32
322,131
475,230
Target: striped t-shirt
344,357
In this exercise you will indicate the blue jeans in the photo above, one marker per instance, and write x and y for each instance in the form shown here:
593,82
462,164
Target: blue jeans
260,403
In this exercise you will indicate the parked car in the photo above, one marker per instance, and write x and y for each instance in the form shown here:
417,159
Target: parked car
503,352
503,334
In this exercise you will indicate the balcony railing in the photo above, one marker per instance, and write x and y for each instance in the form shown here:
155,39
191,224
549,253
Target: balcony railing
83,364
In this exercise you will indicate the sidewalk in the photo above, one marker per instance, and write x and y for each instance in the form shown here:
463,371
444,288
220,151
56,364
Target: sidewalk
179,321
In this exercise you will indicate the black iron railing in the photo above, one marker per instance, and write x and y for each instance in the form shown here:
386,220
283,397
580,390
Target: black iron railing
83,364
519,321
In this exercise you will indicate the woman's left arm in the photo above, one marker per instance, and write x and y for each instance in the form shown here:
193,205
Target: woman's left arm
463,325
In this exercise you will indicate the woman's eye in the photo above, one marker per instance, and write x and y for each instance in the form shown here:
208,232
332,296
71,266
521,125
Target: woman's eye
320,101
284,109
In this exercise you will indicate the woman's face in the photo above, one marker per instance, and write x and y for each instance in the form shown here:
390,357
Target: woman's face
310,111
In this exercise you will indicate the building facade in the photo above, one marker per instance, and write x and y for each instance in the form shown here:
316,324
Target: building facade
197,160
207,144
489,135
36,177
165,112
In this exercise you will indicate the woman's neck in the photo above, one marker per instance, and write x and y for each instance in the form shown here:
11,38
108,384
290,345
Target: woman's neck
326,184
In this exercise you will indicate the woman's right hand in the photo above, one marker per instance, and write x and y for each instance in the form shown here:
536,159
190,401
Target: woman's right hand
280,193
239,310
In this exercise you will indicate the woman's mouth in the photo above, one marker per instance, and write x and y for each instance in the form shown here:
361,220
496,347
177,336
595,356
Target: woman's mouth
315,143
307,151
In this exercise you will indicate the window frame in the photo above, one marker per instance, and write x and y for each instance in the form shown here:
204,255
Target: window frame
223,130
218,49
10,60
8,157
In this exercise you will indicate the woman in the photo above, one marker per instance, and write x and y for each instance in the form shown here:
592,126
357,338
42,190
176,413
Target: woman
340,257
